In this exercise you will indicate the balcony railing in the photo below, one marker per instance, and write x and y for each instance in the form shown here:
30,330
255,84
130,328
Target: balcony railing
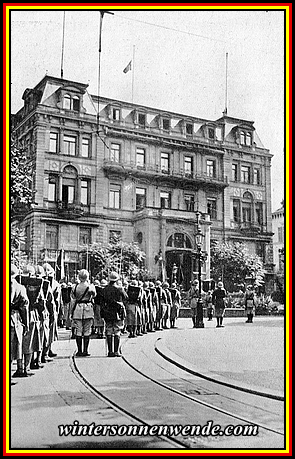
155,171
70,209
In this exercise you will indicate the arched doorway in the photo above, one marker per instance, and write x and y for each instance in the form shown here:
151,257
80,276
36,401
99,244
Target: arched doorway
179,253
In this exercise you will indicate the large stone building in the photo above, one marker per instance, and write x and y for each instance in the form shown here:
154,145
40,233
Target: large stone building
278,227
140,173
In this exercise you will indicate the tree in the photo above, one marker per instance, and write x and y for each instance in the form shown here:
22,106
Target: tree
123,257
21,180
232,263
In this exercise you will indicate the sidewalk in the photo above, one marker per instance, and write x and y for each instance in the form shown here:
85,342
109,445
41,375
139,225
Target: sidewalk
249,356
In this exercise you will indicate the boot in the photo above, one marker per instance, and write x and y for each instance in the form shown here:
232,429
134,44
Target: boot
218,321
110,346
248,320
221,320
251,318
85,346
79,353
116,346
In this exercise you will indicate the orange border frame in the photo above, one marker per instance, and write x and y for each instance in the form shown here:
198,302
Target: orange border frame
287,7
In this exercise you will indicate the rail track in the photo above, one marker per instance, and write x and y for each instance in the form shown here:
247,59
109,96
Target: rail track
186,400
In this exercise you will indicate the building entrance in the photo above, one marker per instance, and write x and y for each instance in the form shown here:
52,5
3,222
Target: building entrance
183,261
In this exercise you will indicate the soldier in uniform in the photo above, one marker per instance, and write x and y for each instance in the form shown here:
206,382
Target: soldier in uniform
209,304
82,311
176,302
19,321
56,291
161,305
99,323
218,300
153,306
193,296
114,313
168,303
32,339
134,293
250,301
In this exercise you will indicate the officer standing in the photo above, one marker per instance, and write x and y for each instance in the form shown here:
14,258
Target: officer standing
250,303
193,296
218,300
114,313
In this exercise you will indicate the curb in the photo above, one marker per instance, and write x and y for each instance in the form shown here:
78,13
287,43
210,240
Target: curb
168,355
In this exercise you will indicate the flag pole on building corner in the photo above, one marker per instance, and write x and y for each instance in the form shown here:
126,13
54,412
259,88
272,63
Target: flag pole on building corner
133,65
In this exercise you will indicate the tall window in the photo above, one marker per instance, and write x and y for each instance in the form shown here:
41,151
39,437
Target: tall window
84,235
280,234
67,102
236,210
51,236
140,157
243,138
85,148
115,152
53,143
141,119
69,182
164,162
245,174
189,202
84,192
189,129
188,165
70,145
212,208
211,133
256,177
248,139
165,200
115,196
234,170
246,213
140,198
210,168
259,214
52,186
116,114
166,124
76,103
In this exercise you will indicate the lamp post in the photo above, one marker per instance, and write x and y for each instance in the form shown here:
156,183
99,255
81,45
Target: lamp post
201,257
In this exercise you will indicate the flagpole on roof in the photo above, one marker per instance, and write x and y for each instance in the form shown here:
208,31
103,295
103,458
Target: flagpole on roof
133,66
63,46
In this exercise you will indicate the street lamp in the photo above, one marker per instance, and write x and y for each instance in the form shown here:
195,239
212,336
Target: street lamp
201,257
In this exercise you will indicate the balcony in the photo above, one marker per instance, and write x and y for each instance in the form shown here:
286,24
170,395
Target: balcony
70,209
155,174
251,228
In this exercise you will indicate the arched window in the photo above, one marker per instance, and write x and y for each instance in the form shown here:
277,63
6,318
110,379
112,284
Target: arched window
179,241
76,103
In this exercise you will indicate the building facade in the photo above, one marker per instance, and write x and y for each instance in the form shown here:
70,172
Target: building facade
107,168
278,227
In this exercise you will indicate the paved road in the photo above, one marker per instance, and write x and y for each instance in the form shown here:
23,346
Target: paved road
144,388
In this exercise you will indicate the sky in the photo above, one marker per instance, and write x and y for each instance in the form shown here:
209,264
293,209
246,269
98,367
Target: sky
179,60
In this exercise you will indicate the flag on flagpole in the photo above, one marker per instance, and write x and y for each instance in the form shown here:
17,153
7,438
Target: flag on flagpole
60,266
127,68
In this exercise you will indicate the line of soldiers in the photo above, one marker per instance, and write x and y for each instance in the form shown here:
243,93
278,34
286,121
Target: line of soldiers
138,307
34,308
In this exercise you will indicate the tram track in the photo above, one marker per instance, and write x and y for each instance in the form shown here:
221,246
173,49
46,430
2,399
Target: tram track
182,442
200,402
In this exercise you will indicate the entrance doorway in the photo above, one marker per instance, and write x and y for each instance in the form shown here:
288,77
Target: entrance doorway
184,263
